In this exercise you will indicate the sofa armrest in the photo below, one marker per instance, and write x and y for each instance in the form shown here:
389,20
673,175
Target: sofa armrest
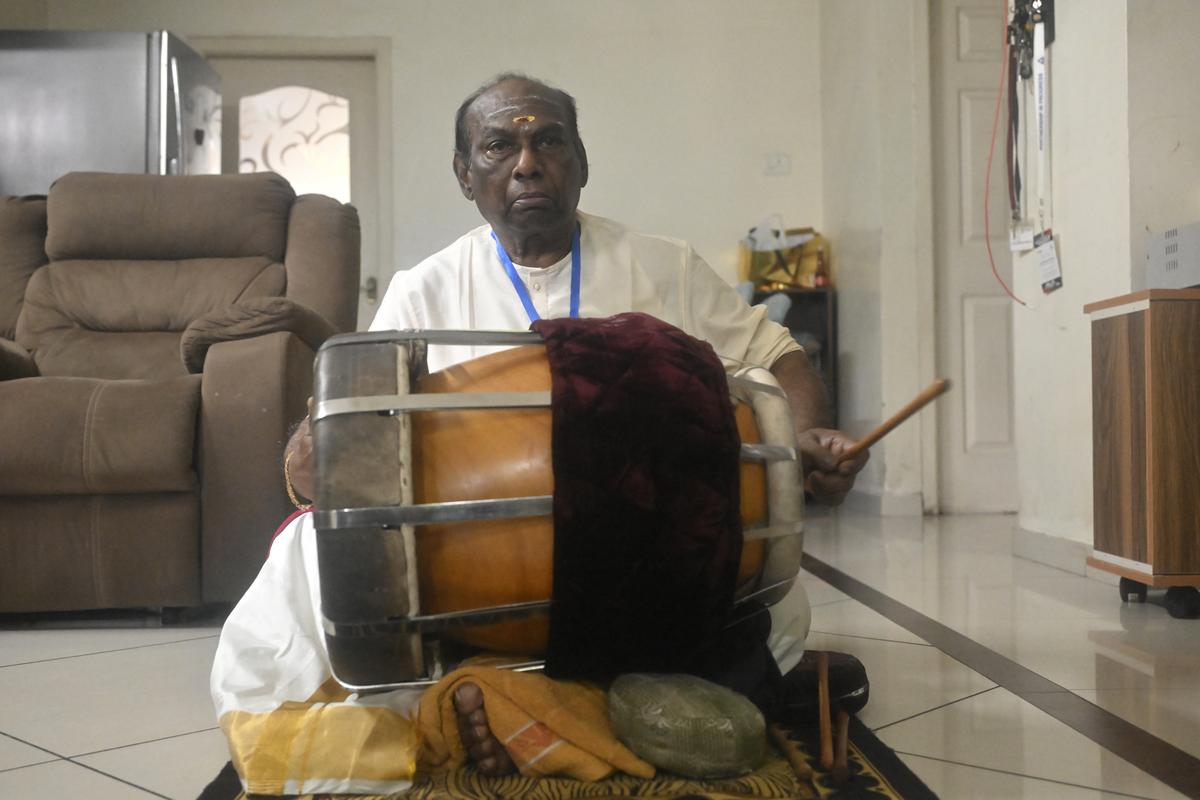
252,391
15,361
247,319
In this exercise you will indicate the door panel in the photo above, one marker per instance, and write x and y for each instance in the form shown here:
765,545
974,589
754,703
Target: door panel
987,413
977,462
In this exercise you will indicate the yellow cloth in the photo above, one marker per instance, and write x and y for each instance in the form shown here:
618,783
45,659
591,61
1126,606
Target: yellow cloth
301,747
291,728
548,727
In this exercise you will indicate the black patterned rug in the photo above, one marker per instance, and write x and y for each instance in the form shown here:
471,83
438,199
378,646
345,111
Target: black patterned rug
874,771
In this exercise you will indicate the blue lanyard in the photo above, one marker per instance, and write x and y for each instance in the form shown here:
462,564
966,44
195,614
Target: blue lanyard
519,286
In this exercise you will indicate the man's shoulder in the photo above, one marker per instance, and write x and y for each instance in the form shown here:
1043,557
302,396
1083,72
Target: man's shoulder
454,254
610,232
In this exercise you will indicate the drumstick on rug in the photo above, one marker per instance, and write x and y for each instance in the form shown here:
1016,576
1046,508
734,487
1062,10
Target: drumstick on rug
841,748
938,387
790,750
824,711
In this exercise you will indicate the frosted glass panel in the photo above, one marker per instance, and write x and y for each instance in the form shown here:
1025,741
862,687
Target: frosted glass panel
301,133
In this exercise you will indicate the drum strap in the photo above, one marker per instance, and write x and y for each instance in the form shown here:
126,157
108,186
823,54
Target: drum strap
647,529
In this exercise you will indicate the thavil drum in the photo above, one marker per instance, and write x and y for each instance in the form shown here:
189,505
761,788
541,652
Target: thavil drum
434,495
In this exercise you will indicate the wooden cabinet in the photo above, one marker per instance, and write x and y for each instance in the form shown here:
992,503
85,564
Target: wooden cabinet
1146,436
814,314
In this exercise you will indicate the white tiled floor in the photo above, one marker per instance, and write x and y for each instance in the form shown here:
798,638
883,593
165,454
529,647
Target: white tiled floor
107,713
125,713
974,739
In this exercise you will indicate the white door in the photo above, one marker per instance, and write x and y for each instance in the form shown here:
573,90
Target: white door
313,121
977,462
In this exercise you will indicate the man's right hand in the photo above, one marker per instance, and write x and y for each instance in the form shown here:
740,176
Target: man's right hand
827,476
299,459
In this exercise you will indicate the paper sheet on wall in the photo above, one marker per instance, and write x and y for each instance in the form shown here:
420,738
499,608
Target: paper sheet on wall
1020,237
1045,249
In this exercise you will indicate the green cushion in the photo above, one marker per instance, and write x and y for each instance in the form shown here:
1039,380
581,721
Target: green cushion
687,725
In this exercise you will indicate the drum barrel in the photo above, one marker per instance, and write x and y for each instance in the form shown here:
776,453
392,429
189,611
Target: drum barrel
471,455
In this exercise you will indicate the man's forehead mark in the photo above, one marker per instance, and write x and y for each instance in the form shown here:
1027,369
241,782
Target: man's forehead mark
501,127
526,118
514,104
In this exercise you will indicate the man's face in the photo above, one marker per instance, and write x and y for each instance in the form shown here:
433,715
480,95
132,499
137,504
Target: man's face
524,168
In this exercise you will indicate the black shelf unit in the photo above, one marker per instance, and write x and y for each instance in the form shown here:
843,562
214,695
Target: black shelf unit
814,312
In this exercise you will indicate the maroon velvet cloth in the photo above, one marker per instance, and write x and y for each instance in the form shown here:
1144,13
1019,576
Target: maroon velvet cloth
647,527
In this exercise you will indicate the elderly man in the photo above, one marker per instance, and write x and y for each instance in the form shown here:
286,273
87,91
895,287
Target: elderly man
519,158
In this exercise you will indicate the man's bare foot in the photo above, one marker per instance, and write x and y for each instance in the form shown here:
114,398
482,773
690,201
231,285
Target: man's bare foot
484,749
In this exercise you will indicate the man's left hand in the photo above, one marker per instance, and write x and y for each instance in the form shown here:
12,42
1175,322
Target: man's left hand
825,474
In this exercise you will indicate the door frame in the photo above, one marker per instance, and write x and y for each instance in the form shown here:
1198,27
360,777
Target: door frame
926,271
377,49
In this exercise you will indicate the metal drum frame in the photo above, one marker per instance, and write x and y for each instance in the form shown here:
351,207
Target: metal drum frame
371,612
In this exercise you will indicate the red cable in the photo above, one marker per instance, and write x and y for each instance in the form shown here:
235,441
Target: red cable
987,178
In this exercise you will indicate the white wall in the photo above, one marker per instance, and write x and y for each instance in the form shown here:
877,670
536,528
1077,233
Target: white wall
1126,150
906,275
877,200
680,100
853,212
1164,120
1090,123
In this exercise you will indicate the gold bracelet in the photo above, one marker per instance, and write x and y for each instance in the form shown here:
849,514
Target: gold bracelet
287,482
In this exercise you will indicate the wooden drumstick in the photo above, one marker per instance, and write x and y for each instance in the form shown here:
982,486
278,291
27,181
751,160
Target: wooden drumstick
841,749
916,404
790,751
824,712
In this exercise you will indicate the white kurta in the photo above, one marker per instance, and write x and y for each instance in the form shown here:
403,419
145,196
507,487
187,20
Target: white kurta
465,286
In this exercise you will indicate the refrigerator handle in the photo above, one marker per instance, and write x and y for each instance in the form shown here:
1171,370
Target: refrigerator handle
173,161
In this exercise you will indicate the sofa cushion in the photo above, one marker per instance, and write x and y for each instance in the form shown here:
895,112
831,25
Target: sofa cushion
84,436
99,551
123,319
99,215
22,250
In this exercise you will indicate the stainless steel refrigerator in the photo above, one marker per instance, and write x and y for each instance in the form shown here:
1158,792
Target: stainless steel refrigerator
107,102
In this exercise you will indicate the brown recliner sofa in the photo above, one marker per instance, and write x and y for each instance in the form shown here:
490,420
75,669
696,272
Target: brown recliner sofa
157,336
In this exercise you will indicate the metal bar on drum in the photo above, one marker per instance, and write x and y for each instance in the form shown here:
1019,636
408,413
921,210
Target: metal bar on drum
433,623
524,666
436,337
449,336
431,513
434,401
768,452
785,493
766,590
